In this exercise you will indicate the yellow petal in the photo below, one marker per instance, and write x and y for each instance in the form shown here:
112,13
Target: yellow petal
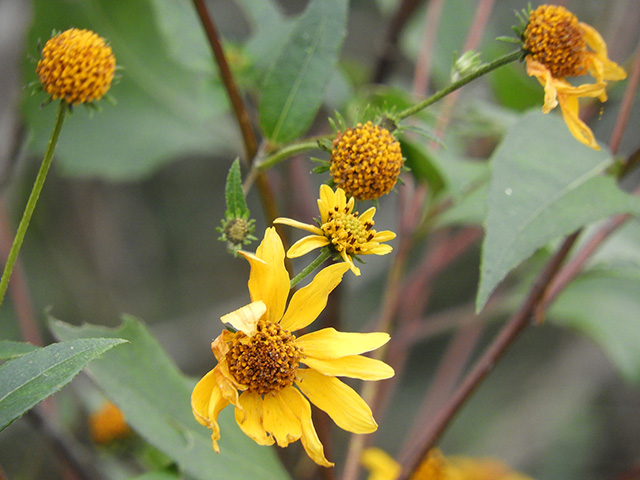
341,402
280,420
303,226
538,70
383,236
245,319
379,250
306,244
329,343
579,129
250,418
227,384
269,280
368,215
307,303
327,196
310,441
602,68
349,261
206,404
353,366
340,200
380,465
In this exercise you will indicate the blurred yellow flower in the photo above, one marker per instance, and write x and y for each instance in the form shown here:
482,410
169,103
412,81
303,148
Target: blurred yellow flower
559,46
77,66
435,466
260,371
107,424
346,232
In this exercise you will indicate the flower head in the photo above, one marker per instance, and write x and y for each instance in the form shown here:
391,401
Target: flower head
435,466
108,424
269,375
558,46
346,232
366,161
77,66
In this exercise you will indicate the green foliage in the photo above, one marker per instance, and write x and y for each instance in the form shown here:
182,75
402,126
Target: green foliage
294,87
237,229
10,349
27,380
155,399
544,185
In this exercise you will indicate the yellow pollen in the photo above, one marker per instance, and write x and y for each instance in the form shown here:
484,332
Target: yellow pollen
366,161
347,232
265,362
77,66
554,38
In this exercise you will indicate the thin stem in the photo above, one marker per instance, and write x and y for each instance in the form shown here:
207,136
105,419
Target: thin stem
626,104
324,255
498,62
505,338
286,152
33,200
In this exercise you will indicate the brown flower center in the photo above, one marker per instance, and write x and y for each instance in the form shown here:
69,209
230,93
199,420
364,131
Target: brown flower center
366,161
265,362
554,38
347,232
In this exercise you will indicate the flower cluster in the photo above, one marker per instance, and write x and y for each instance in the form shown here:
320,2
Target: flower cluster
76,66
558,46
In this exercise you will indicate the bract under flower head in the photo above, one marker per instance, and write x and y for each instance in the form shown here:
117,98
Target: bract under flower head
77,66
346,232
559,46
366,161
269,375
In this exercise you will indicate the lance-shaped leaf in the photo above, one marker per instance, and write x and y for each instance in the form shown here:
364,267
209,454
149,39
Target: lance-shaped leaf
236,203
10,349
294,87
27,380
156,401
544,185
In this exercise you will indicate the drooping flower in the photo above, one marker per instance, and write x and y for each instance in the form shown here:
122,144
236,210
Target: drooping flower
346,232
558,47
77,66
435,466
269,375
107,424
366,161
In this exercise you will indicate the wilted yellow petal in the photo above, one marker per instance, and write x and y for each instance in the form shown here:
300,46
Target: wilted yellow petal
250,418
269,280
347,409
245,319
601,67
329,343
579,129
306,244
206,403
307,303
280,420
353,366
538,70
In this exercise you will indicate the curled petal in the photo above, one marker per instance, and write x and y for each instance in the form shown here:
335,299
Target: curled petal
329,343
353,366
269,280
306,244
345,407
206,403
579,129
246,318
308,302
600,66
303,226
349,261
538,70
249,415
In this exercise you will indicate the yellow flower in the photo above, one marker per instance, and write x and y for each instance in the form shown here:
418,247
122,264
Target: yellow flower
559,46
108,424
260,370
366,161
436,466
342,229
77,66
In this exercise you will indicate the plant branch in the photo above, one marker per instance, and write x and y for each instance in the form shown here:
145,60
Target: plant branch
626,105
324,255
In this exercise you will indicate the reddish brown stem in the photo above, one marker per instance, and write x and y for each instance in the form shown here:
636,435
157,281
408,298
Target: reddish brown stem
627,103
505,338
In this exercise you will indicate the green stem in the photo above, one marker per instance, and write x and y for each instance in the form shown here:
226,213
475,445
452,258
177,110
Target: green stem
498,62
324,255
33,199
286,152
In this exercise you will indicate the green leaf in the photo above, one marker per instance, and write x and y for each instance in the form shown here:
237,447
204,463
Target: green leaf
156,401
159,475
10,349
236,203
294,87
32,377
545,184
164,109
604,305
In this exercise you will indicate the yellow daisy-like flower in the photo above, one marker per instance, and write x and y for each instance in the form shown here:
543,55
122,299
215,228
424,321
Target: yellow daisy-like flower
436,466
107,424
559,46
260,365
366,161
345,231
77,66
